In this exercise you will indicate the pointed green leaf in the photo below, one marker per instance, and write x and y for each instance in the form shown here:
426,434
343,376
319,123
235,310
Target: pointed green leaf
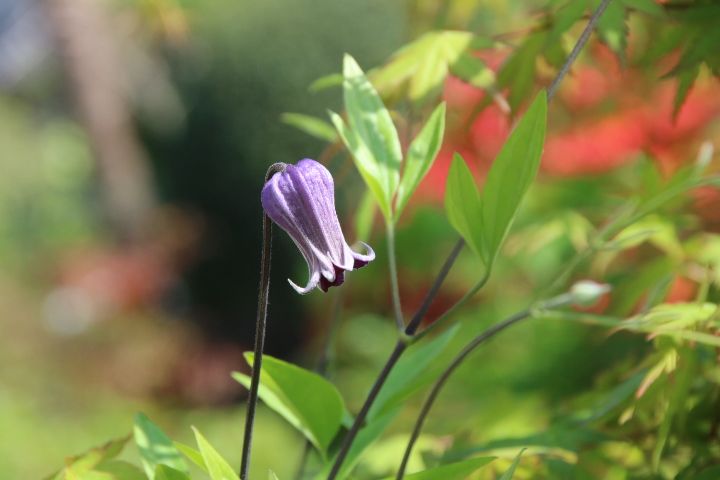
649,7
364,162
80,464
612,28
305,399
462,204
325,82
518,71
410,373
163,472
510,176
365,216
508,475
451,471
192,454
373,127
686,80
313,126
155,447
420,157
218,467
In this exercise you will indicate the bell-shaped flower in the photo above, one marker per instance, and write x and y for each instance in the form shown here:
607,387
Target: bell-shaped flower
301,200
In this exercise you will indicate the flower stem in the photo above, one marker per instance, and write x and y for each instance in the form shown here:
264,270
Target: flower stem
394,287
260,323
487,334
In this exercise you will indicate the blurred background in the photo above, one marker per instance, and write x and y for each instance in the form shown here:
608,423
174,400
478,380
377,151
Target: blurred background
134,136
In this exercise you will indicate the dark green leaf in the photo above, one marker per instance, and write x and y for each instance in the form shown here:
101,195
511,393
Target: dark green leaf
155,447
305,399
474,71
313,126
612,28
510,176
462,204
650,7
518,72
218,468
420,157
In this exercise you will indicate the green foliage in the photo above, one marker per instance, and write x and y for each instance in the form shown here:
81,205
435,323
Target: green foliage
410,373
510,176
508,475
371,136
217,466
163,472
423,66
420,156
98,464
155,447
313,126
462,205
451,471
305,399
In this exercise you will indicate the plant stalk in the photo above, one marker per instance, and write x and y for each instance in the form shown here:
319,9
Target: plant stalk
487,334
394,286
260,324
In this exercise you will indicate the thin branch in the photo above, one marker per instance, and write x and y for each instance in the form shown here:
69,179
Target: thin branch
394,286
487,334
584,37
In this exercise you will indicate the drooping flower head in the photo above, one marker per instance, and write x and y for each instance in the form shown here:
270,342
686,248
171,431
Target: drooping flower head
301,200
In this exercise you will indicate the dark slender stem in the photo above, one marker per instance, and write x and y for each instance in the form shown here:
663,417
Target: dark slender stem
457,361
400,347
435,288
394,357
260,323
584,37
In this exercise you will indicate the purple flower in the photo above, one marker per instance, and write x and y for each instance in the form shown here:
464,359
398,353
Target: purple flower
301,200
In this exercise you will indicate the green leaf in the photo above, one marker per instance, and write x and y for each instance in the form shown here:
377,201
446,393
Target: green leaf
217,466
474,71
420,157
565,18
508,475
518,71
313,126
305,399
462,204
372,127
325,82
365,216
510,176
711,473
272,476
686,80
612,28
409,373
114,470
163,472
193,455
649,7
85,462
364,162
155,447
451,471
425,64
365,437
